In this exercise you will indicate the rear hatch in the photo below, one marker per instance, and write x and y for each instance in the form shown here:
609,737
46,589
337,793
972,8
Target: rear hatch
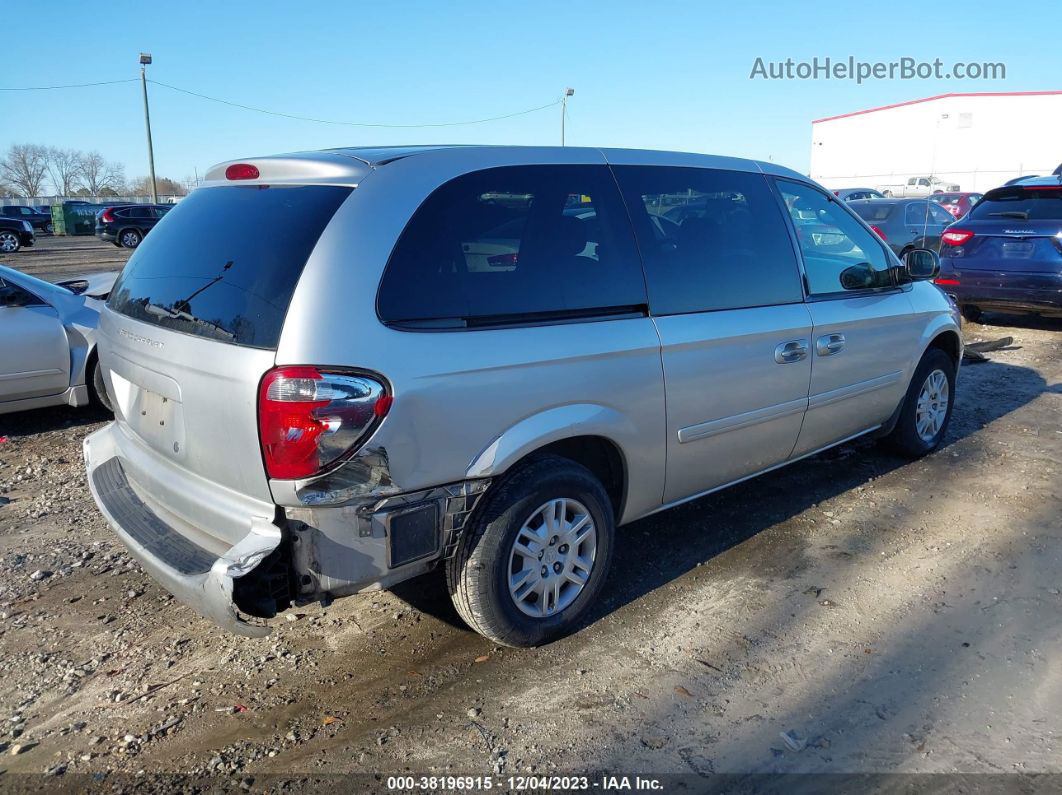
191,326
1013,231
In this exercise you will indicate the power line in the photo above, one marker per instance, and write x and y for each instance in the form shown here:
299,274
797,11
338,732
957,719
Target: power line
355,123
293,115
72,85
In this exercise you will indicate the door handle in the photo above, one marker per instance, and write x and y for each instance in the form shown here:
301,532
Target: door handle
792,351
829,344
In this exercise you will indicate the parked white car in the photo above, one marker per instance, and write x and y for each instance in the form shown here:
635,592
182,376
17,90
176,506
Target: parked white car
48,357
918,187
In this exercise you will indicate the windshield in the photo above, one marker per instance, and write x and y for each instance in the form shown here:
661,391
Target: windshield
224,262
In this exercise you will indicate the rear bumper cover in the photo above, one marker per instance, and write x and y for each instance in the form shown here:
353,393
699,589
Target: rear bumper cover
328,551
197,577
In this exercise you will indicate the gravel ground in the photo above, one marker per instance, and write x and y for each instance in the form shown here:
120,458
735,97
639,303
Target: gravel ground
59,257
851,613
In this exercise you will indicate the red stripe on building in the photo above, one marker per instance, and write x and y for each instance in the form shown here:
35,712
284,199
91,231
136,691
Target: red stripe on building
942,96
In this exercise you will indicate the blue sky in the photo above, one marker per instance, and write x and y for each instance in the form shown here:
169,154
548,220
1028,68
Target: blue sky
669,75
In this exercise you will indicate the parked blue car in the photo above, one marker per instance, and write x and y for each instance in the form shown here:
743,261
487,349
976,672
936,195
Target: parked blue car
1006,254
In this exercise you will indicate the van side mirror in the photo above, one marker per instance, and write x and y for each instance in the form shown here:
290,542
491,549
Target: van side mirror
12,296
921,264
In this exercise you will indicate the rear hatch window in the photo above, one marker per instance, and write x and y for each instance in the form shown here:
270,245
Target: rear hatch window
876,211
224,261
1020,203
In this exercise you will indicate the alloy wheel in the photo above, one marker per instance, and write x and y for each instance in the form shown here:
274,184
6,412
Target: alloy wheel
932,406
552,557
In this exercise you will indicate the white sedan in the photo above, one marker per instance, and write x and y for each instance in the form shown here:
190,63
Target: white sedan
48,341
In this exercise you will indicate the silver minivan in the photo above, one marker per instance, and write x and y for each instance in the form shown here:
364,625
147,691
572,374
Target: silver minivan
333,371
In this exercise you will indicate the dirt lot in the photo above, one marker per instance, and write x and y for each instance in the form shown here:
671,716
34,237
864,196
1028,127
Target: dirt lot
889,616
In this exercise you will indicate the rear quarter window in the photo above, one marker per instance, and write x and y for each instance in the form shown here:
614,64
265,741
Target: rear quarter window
514,244
224,262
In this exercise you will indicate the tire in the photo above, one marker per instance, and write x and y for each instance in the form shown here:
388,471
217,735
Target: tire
906,438
480,573
9,242
48,228
971,313
130,238
97,387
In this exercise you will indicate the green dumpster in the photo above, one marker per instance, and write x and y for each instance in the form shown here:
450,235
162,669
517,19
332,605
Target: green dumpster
75,219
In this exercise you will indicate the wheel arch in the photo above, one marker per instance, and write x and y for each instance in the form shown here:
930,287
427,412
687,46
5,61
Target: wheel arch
590,435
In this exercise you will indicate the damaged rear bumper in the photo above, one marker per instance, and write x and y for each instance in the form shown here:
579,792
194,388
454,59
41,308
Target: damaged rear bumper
203,580
293,556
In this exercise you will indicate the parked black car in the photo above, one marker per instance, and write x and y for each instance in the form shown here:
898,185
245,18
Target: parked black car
904,224
14,234
126,224
1006,254
39,220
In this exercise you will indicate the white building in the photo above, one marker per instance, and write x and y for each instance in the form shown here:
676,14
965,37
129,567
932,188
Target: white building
977,141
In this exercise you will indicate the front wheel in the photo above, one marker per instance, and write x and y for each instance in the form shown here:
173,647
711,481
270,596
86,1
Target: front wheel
927,407
9,242
535,554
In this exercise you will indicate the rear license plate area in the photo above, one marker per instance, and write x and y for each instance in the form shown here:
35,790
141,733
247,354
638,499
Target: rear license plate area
1017,249
156,419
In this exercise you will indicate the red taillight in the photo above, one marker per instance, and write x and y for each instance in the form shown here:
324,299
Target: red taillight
878,232
309,419
107,218
241,171
956,237
836,193
945,281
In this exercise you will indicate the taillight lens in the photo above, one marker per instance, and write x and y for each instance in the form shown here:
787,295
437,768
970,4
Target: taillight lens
241,171
107,218
956,237
878,232
309,419
952,282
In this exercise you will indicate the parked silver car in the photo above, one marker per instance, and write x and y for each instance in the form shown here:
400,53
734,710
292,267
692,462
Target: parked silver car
48,341
333,371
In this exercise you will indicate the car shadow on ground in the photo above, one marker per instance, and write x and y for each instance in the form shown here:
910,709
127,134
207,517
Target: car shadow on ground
691,534
55,418
990,320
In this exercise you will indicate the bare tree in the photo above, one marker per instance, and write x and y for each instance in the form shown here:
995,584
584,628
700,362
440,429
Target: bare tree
166,187
65,167
25,167
100,177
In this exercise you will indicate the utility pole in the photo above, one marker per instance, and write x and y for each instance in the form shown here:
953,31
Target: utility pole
145,59
564,109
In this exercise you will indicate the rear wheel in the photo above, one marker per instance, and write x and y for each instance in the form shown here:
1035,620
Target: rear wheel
9,242
926,408
971,313
97,387
130,238
535,555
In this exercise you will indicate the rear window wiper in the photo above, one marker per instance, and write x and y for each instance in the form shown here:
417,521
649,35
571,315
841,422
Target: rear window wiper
1022,214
